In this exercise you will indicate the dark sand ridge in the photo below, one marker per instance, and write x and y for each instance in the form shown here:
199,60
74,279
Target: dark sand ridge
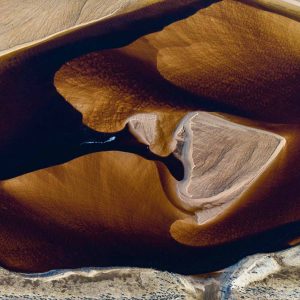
168,50
75,200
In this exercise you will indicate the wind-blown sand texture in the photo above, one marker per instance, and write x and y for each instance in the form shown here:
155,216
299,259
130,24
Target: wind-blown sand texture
222,159
263,276
235,65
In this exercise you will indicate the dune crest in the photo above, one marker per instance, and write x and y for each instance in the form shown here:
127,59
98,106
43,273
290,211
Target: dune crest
221,158
69,90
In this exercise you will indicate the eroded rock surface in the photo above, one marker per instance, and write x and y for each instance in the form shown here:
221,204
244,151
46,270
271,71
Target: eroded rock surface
265,276
262,276
100,284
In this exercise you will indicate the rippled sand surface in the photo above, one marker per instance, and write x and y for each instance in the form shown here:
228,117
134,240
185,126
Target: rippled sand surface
219,88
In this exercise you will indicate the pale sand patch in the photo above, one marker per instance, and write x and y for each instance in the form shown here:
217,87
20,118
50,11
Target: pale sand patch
221,158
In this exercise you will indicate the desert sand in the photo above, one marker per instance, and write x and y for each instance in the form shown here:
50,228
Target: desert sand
228,75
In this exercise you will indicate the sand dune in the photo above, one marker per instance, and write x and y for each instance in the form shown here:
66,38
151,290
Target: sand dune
218,89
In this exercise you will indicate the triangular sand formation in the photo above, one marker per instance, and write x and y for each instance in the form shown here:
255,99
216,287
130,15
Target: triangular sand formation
221,158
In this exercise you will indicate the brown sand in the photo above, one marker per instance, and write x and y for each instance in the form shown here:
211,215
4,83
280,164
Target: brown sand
229,58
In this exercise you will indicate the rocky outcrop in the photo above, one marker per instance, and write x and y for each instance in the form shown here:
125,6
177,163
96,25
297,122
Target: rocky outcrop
272,276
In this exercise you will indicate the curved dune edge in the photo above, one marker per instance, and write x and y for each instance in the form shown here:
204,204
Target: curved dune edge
82,14
221,159
263,276
63,34
164,54
289,8
80,208
107,11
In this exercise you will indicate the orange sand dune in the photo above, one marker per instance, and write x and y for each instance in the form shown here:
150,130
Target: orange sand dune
236,65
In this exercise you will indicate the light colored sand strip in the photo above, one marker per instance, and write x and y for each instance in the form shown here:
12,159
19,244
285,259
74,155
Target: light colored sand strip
289,8
222,159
